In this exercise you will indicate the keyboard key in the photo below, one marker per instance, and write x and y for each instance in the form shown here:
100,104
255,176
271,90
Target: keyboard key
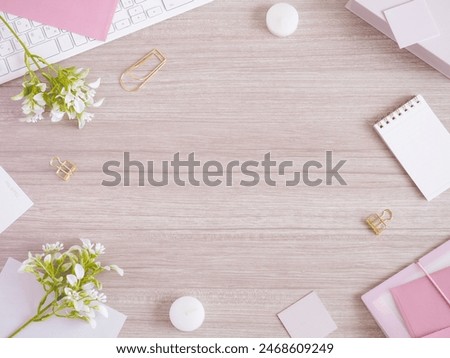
46,50
122,24
6,34
79,40
11,16
3,68
35,23
15,61
138,1
51,31
155,11
138,18
172,4
150,4
17,45
6,48
65,42
36,36
111,29
121,15
135,10
23,25
127,3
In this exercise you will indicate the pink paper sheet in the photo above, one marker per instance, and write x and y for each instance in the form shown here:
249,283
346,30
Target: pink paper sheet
424,310
381,303
91,18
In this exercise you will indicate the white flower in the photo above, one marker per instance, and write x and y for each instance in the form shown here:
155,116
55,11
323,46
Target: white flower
115,268
88,245
96,84
71,294
102,310
92,322
56,113
78,105
66,266
88,286
80,306
34,103
39,99
99,249
98,296
72,279
52,248
84,118
79,271
101,297
48,259
98,103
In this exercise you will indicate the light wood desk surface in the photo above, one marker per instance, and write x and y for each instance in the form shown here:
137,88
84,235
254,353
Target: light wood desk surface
232,91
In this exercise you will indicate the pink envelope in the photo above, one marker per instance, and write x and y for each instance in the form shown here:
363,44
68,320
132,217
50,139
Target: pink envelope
424,309
91,18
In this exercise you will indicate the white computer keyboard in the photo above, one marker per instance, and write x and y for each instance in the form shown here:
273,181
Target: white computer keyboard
56,45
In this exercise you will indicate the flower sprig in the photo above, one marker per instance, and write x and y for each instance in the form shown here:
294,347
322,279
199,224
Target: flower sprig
61,90
70,282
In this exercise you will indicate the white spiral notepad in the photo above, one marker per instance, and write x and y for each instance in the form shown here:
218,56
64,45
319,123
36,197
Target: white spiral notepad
421,143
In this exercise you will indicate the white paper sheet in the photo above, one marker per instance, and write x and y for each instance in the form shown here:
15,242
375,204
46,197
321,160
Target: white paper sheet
20,294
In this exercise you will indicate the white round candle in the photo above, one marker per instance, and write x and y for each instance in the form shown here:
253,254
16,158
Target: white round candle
282,19
187,314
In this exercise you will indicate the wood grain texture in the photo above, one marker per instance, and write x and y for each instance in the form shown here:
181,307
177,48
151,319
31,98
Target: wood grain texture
232,91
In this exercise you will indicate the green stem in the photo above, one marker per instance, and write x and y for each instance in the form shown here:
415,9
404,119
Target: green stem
38,316
18,330
25,48
44,299
16,36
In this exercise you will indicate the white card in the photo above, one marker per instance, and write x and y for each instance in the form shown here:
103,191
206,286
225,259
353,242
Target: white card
20,294
411,23
13,201
307,318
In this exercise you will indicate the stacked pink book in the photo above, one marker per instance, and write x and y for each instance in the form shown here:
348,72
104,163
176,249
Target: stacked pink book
415,301
420,26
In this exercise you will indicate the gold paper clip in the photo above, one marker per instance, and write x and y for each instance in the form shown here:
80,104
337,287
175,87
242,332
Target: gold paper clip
378,223
65,169
131,74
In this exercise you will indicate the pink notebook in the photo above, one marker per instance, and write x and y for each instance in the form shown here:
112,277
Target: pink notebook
91,18
424,310
381,303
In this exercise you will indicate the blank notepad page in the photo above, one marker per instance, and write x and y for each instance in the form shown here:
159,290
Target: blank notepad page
421,144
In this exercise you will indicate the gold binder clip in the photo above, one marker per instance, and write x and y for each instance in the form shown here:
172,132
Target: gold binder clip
65,169
137,73
378,223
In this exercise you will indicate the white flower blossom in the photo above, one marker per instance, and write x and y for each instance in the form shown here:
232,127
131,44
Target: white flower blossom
69,280
99,249
68,95
79,271
115,268
88,245
72,279
33,105
52,248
